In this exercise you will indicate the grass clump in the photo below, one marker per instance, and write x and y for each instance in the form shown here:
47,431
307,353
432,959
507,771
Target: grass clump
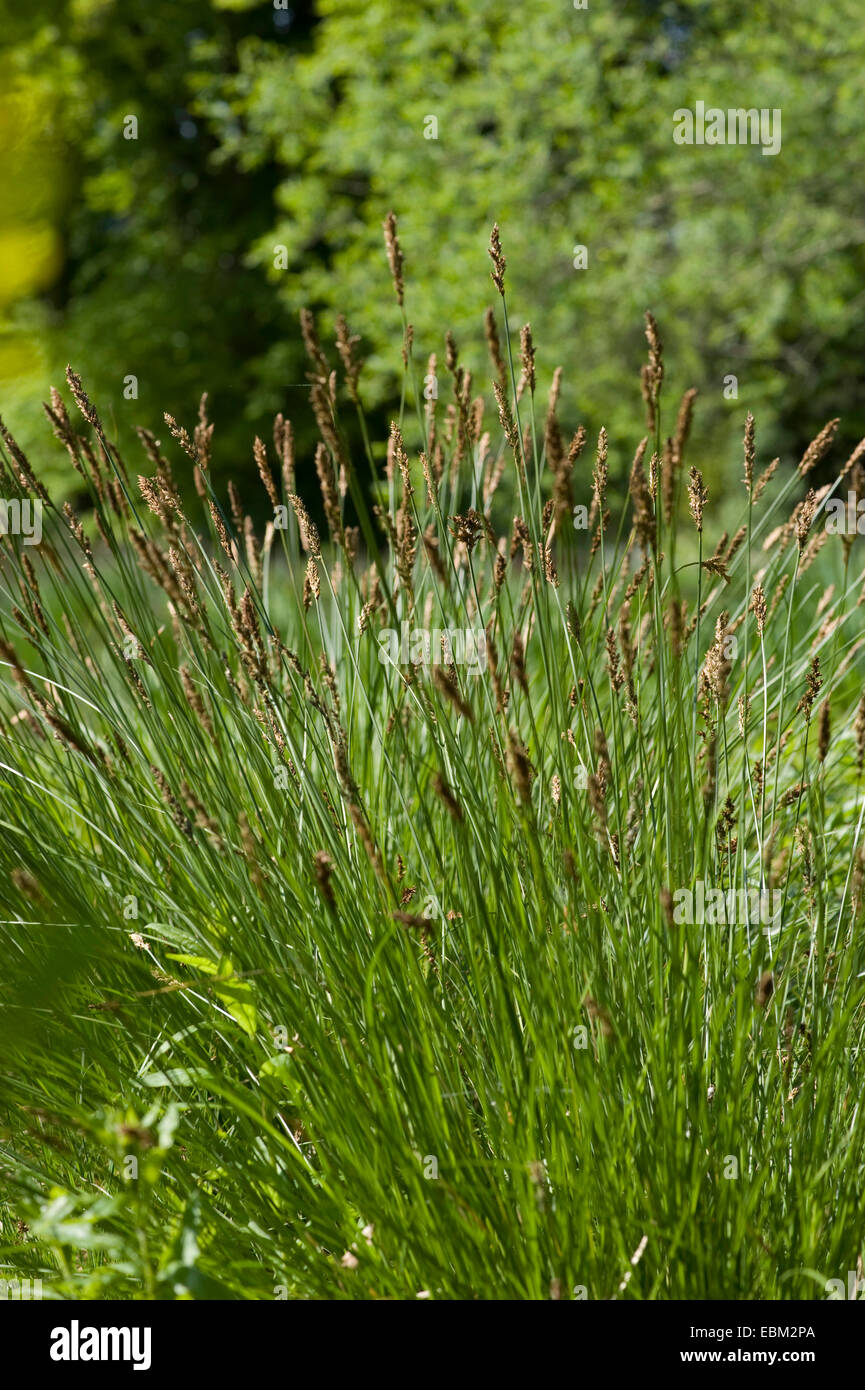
399,905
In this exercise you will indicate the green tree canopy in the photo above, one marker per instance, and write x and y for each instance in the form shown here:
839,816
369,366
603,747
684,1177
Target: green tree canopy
272,142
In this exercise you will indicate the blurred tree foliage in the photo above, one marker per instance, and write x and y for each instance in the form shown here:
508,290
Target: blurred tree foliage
262,128
153,279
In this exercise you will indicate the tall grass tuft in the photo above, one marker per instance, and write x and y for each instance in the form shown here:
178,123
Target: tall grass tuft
363,930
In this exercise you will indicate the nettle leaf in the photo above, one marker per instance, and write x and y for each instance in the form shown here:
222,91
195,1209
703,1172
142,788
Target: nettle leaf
279,1067
202,963
237,996
176,1076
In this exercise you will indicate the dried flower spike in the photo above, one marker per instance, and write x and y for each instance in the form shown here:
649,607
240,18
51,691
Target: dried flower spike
498,259
394,256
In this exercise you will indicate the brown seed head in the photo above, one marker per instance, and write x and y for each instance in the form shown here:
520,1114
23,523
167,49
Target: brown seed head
498,260
749,453
824,733
394,256
813,686
697,497
818,447
804,518
758,607
765,988
494,348
527,357
346,344
308,531
82,400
